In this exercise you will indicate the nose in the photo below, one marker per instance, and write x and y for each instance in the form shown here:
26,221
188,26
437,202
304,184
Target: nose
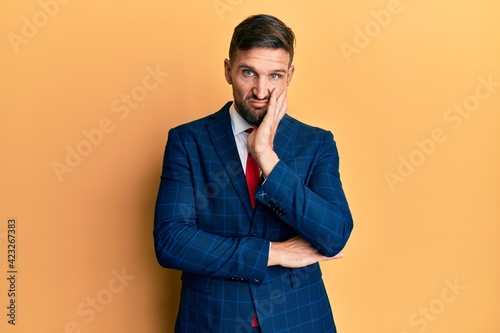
261,90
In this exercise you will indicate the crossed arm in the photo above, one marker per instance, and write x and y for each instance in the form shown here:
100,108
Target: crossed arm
320,216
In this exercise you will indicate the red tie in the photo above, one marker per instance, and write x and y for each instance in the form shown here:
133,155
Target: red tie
252,174
253,177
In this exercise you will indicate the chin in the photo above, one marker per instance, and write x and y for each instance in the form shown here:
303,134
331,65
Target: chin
256,116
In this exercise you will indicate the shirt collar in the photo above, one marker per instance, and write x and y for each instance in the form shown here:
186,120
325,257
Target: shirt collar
238,124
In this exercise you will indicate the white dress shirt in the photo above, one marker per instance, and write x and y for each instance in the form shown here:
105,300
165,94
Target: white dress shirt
239,126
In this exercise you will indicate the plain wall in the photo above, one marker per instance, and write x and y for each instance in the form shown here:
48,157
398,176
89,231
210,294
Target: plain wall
410,89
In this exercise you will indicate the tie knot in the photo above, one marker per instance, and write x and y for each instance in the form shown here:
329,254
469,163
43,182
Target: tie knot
250,130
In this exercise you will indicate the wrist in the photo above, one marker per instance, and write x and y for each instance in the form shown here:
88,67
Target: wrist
267,162
274,254
272,261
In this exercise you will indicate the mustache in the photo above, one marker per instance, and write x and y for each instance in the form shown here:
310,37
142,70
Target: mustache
258,99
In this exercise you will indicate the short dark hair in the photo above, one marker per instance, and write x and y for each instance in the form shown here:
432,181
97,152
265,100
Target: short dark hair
262,31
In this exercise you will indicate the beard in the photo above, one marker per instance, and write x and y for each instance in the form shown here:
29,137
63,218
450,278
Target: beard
253,117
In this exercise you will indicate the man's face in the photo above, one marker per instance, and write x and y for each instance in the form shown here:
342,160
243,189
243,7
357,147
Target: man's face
254,74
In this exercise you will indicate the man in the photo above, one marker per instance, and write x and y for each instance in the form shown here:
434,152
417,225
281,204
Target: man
250,256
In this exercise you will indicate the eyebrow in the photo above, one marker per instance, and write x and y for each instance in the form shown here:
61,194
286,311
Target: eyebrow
243,66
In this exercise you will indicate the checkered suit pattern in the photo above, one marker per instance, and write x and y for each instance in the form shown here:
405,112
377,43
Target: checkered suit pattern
206,227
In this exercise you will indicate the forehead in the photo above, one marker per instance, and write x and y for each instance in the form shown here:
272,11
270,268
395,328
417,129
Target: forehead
262,58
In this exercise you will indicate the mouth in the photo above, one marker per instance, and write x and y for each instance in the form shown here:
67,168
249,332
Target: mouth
258,103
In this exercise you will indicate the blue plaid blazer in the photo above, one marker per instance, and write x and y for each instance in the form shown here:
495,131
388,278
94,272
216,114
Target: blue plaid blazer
205,227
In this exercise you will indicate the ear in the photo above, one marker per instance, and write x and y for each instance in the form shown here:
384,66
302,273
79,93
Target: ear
291,70
227,71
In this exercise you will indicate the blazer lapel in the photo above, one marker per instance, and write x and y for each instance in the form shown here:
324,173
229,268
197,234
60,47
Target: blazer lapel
221,134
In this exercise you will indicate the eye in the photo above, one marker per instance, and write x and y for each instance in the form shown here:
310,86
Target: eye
248,72
275,76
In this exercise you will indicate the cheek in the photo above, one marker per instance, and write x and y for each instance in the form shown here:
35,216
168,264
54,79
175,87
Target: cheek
241,89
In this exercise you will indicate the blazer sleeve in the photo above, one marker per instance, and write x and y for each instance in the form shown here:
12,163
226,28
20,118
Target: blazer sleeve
180,244
318,209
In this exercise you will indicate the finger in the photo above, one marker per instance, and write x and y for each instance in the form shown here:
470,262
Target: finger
282,104
337,256
273,102
295,238
282,95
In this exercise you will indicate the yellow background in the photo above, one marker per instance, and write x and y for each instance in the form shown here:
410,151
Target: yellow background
424,254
